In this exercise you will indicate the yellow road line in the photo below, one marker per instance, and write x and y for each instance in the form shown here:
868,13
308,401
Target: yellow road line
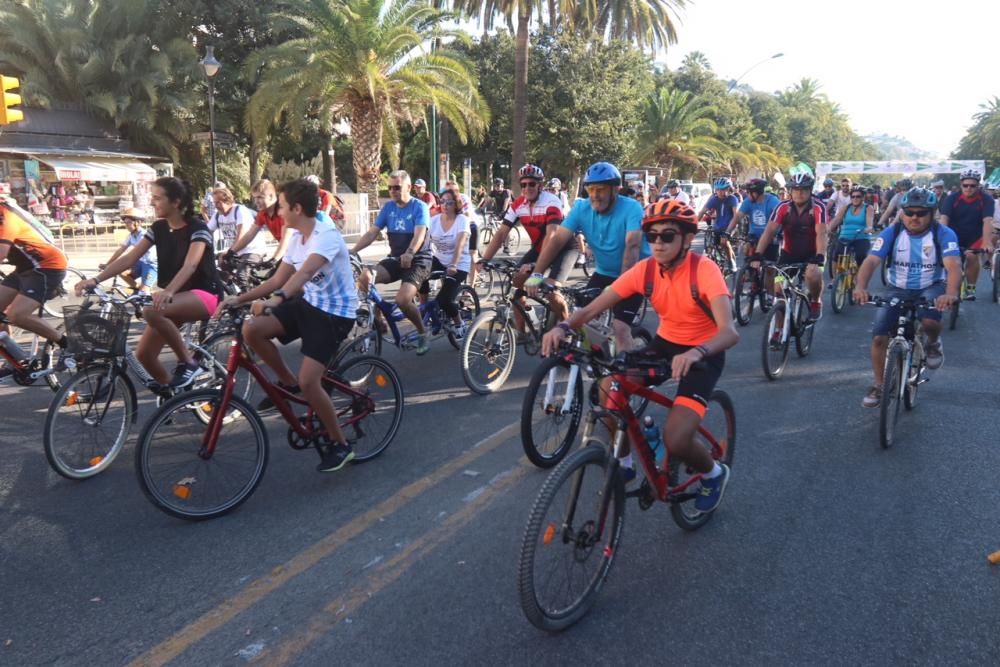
387,572
260,588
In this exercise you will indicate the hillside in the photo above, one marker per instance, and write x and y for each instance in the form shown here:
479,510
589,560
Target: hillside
898,148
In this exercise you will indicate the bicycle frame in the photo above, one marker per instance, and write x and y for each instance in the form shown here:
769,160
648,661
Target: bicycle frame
430,313
791,292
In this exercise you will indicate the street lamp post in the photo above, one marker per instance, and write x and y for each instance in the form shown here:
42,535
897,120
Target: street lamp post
751,68
211,67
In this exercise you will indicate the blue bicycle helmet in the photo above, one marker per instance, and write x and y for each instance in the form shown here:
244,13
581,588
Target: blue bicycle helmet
827,181
919,198
602,172
723,183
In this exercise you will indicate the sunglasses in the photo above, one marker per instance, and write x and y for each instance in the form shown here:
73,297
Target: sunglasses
529,184
395,187
665,237
969,186
447,202
857,196
916,213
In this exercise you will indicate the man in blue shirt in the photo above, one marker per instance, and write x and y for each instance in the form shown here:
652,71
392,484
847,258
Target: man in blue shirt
405,220
721,207
969,213
757,209
612,226
921,252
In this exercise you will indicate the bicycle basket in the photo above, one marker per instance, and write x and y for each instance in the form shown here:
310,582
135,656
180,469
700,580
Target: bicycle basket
94,332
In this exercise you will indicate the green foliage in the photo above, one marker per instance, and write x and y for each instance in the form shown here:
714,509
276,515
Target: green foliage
982,140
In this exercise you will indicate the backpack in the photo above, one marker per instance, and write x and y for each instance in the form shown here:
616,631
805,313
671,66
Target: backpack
695,292
935,231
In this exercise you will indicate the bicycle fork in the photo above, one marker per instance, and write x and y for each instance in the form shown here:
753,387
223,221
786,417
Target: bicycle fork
550,390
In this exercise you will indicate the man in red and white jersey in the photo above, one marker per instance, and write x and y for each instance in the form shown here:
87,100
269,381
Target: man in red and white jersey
540,213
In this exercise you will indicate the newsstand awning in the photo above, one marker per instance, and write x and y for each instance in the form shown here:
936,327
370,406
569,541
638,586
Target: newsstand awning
99,169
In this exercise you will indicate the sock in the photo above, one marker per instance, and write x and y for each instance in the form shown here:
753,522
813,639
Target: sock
715,472
627,462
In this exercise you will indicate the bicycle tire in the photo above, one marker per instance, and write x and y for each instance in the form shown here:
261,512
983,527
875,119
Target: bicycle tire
539,534
744,295
468,310
184,480
953,315
912,386
368,343
67,296
996,277
485,236
558,430
839,294
889,406
383,416
773,368
589,265
720,406
496,353
82,405
486,282
804,329
513,241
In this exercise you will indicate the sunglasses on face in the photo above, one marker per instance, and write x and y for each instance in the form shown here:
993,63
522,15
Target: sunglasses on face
969,186
916,213
447,202
857,196
393,188
666,237
529,184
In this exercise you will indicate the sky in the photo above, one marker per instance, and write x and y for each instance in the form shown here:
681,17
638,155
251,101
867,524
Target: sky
934,54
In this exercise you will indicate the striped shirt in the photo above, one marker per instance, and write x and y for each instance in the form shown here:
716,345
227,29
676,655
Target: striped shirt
331,289
915,264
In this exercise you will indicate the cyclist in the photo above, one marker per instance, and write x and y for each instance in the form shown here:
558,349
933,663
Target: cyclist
827,190
689,330
612,227
500,197
448,237
405,220
265,198
938,187
314,298
757,208
231,222
188,282
970,214
142,276
39,269
839,199
555,187
540,213
421,192
922,251
723,205
857,218
673,191
802,223
891,212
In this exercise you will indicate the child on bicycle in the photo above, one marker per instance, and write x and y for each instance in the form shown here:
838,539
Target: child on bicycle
690,331
314,298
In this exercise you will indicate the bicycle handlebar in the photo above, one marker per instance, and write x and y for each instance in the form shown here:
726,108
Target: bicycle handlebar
908,304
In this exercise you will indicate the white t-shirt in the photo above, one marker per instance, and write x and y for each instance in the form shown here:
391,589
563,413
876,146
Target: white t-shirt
443,242
681,196
331,289
837,201
230,226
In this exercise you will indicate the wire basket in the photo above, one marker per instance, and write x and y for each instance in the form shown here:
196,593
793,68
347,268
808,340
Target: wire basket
96,332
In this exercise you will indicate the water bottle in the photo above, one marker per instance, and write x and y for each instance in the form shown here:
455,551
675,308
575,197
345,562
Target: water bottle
652,433
533,317
13,349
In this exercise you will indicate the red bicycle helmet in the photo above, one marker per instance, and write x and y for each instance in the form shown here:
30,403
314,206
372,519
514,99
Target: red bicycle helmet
531,171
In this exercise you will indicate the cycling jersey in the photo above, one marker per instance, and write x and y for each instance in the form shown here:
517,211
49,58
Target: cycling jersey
605,232
231,225
331,289
914,263
29,250
854,223
535,216
270,218
682,319
799,227
724,209
759,213
400,223
966,214
172,249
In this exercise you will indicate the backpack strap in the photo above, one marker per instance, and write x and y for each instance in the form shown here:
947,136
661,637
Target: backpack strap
695,292
650,277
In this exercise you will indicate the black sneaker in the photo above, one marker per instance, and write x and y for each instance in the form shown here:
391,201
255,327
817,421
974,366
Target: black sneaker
267,404
333,456
6,372
184,375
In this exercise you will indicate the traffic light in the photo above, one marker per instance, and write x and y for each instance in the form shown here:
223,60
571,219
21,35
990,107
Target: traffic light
7,113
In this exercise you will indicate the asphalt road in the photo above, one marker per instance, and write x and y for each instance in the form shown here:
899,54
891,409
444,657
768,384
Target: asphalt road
827,549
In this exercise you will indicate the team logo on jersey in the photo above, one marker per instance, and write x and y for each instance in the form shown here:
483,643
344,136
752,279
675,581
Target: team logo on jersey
877,245
952,246
927,250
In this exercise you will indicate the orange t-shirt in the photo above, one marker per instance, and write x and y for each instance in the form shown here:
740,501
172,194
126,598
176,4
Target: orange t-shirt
29,249
682,321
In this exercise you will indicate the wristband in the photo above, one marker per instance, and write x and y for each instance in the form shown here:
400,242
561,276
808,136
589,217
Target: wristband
703,350
565,327
280,293
535,280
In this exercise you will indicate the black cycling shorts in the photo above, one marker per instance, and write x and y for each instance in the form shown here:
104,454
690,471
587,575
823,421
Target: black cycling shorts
473,237
700,381
321,332
420,268
37,284
626,310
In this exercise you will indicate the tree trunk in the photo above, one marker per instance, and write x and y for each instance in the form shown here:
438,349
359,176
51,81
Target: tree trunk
553,16
254,160
670,168
328,164
520,123
366,131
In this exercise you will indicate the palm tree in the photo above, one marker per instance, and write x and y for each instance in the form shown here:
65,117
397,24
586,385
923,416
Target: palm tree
803,95
678,128
368,61
695,60
748,150
646,21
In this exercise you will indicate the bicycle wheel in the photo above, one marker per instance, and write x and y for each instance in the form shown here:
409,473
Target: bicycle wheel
804,328
717,435
219,345
551,411
488,353
891,390
176,475
370,408
485,236
839,295
513,241
67,295
486,282
996,277
564,562
953,315
744,292
88,421
774,357
468,310
589,264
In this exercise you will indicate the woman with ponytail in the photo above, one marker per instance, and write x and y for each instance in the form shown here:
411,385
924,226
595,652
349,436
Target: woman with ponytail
189,286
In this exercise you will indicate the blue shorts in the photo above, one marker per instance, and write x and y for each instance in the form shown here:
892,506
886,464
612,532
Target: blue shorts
887,316
145,272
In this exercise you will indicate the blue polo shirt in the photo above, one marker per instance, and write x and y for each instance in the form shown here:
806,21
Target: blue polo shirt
605,232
